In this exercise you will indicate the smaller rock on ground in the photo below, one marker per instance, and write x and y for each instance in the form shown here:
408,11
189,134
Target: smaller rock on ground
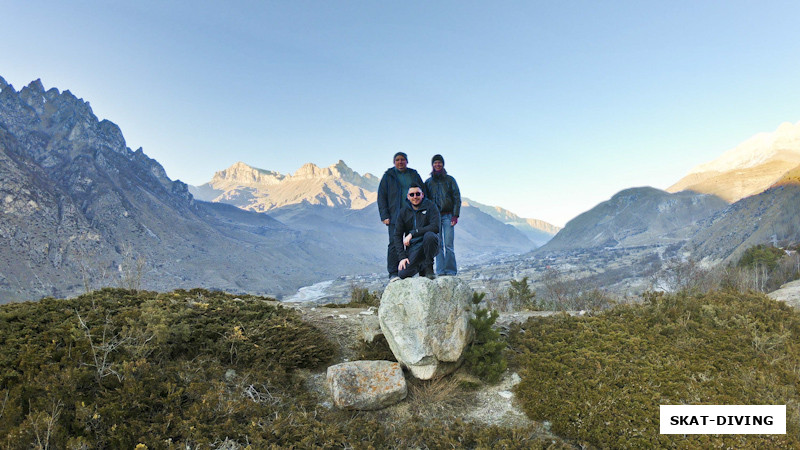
366,385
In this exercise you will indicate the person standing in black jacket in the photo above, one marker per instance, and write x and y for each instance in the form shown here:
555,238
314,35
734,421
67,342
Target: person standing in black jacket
391,197
443,190
416,237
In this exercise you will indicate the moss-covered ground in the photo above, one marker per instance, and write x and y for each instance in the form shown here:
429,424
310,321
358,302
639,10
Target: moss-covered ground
600,380
199,369
188,369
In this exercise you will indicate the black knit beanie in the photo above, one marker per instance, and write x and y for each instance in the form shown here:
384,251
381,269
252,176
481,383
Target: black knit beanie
437,158
400,154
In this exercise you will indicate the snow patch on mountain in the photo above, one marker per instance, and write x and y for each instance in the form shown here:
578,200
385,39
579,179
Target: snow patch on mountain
783,143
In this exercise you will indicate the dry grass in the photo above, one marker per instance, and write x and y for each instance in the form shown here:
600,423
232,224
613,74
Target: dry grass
432,398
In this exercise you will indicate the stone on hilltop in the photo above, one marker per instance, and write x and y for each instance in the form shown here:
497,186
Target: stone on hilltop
366,385
426,323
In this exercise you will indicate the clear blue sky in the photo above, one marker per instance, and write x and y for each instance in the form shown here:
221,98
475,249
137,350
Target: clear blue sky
545,108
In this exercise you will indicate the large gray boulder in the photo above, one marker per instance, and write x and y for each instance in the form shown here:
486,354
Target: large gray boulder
426,323
366,385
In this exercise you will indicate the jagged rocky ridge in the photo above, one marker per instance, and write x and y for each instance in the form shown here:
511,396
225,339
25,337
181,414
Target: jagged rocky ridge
262,190
80,209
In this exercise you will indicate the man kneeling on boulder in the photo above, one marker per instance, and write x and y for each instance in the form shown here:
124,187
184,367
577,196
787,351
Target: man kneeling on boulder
416,235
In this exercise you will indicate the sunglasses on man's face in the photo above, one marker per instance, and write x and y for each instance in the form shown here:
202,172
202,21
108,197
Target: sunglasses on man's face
415,194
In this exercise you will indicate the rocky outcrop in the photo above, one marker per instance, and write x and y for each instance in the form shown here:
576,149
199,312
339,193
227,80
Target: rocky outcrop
426,323
366,385
789,293
262,190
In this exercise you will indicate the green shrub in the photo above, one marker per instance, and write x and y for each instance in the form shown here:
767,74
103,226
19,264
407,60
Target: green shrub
759,255
360,297
601,379
116,367
520,294
485,356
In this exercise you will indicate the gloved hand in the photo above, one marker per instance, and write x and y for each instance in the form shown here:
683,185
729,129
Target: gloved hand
453,221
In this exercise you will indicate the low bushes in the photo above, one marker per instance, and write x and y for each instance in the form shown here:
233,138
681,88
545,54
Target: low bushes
601,379
188,369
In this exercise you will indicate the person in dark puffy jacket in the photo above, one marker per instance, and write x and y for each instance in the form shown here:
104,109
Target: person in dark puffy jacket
416,237
391,197
443,190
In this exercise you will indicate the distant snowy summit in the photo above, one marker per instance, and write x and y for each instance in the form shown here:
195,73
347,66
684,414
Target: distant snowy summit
749,168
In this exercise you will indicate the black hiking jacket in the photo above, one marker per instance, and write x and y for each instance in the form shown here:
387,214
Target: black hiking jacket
443,190
417,222
390,199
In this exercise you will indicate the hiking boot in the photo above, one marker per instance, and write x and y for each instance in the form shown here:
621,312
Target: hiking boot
430,275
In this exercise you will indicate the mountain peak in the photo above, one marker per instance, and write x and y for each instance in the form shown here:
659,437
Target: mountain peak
749,168
311,170
37,86
242,173
338,170
757,150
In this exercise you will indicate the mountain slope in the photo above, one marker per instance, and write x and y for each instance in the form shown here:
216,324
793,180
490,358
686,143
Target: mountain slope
749,168
538,231
768,217
79,209
791,177
636,217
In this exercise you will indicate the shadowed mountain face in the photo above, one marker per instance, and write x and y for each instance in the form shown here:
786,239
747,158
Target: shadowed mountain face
769,217
81,210
637,217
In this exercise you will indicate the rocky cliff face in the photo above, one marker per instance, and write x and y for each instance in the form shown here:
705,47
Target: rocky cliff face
79,210
261,190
